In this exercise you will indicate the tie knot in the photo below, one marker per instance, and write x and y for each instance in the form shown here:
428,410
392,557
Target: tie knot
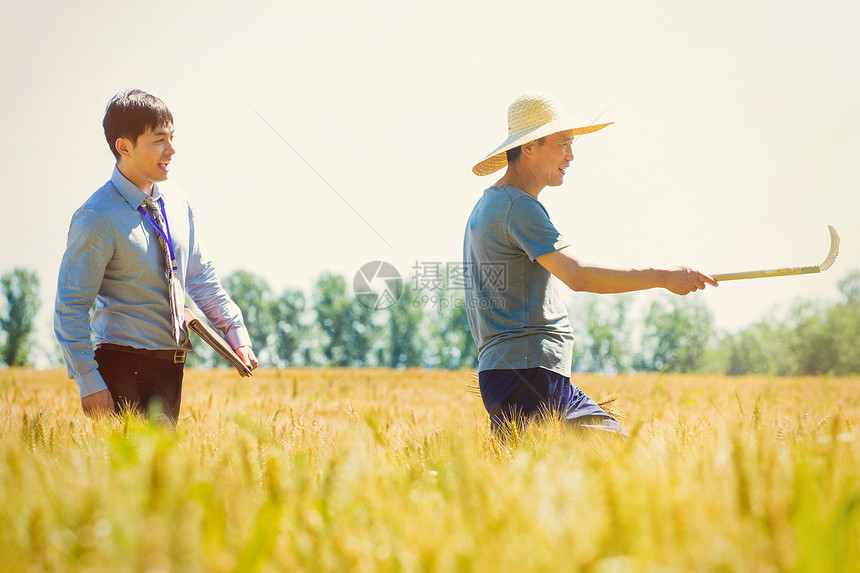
153,209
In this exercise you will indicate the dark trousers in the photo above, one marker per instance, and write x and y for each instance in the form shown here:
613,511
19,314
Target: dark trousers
528,393
142,383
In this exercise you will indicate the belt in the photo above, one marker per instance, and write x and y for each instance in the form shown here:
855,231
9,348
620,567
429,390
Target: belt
176,356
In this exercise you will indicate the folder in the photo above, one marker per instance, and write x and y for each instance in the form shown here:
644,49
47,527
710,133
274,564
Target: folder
213,339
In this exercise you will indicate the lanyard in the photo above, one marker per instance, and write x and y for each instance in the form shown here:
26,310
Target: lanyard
165,233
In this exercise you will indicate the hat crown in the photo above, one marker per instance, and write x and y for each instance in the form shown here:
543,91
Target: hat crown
532,116
531,111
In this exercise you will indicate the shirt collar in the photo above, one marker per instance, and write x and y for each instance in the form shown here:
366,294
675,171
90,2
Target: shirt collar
129,191
513,188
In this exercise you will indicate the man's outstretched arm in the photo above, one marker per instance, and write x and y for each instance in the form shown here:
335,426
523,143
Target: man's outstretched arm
587,277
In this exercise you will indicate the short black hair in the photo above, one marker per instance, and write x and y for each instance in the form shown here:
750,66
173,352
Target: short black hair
130,113
513,154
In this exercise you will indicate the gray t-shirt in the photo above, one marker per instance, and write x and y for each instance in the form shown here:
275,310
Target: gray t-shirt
515,313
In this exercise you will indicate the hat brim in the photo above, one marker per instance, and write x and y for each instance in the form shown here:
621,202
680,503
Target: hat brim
498,157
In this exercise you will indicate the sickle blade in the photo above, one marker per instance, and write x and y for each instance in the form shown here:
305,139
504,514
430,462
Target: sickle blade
784,272
834,249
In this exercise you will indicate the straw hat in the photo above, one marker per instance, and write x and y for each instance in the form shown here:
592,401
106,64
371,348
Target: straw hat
532,116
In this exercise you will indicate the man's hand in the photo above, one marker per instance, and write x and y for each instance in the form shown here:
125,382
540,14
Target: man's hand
684,280
97,404
246,354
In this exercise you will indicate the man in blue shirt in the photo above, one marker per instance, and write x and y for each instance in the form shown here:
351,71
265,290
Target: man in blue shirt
133,249
512,249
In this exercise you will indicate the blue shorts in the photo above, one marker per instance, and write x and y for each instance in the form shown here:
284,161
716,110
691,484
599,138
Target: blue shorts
530,392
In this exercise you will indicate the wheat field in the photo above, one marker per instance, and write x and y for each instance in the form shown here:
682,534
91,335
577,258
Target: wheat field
381,470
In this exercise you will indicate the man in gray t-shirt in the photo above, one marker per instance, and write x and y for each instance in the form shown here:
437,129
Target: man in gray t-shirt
511,251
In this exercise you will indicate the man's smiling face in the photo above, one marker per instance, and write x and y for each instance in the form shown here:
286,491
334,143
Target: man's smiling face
147,161
553,157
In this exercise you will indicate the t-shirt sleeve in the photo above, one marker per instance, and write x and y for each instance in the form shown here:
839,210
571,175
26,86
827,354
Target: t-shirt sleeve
530,228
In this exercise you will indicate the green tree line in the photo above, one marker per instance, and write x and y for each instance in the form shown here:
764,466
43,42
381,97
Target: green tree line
334,328
677,335
428,328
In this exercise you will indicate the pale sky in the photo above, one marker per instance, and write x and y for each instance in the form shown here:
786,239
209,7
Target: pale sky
736,141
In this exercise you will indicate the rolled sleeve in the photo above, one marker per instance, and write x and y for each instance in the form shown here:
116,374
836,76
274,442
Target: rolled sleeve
238,337
90,383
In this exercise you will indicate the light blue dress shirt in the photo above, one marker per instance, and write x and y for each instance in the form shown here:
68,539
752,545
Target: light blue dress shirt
113,258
